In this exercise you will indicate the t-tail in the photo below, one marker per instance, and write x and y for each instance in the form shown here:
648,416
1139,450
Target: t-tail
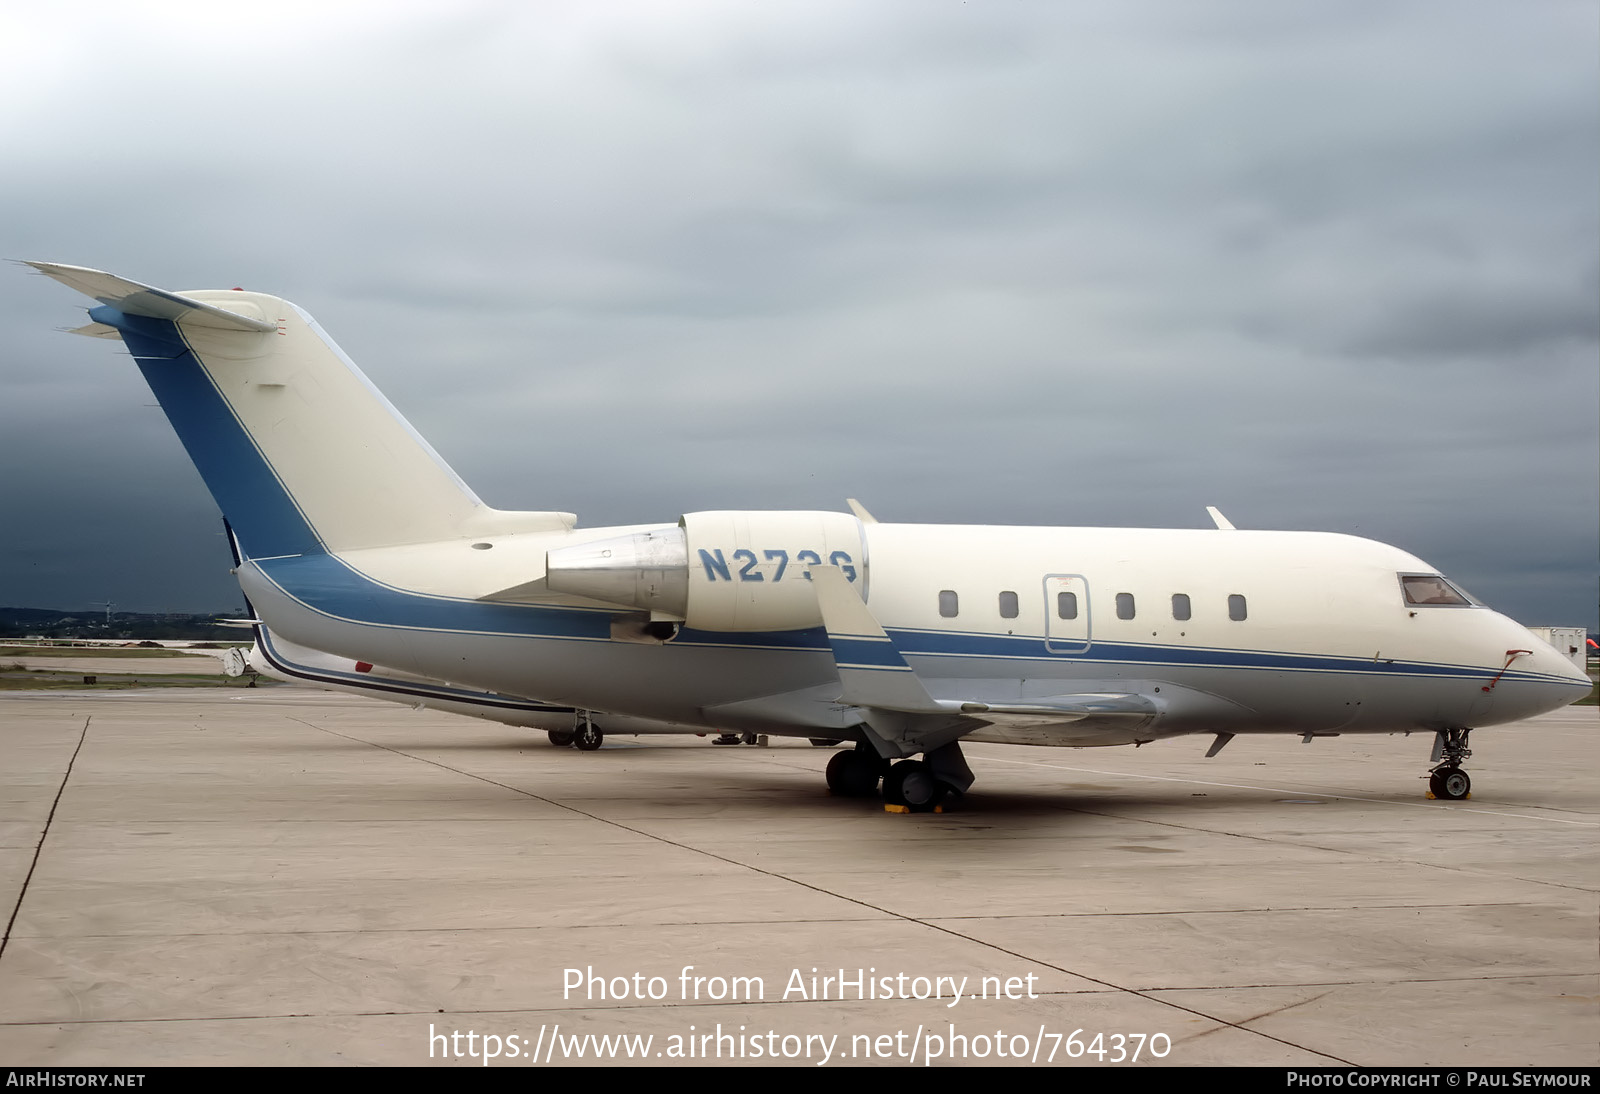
300,451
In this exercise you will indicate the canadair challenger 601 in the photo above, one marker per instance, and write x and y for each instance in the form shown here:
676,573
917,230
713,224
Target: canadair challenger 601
356,546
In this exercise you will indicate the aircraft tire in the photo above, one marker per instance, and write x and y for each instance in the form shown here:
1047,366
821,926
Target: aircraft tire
561,738
1450,784
587,738
852,775
912,783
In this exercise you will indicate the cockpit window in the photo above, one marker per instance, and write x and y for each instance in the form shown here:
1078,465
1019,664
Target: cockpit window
1431,590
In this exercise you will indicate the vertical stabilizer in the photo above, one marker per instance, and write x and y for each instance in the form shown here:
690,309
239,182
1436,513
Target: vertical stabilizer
300,451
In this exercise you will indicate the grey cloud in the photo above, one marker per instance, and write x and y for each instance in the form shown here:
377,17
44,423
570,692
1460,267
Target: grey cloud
1021,263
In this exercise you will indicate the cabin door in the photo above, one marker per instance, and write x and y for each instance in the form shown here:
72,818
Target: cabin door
1066,613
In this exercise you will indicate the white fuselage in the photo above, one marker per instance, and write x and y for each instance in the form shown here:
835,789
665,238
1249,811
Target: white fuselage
1327,643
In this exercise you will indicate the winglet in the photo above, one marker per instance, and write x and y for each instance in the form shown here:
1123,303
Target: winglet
870,668
133,298
1221,521
860,511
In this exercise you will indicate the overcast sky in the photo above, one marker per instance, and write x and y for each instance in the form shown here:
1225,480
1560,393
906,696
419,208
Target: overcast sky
1324,265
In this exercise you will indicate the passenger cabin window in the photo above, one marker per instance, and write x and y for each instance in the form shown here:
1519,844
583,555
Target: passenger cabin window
947,604
1008,605
1124,605
1236,608
1180,606
1067,605
1431,590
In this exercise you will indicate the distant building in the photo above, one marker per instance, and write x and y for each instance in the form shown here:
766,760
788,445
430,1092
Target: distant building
1568,641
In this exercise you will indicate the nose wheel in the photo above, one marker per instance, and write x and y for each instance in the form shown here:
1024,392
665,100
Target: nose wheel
1450,783
1447,781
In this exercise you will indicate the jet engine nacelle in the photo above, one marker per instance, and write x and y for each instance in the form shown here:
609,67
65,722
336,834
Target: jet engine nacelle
728,571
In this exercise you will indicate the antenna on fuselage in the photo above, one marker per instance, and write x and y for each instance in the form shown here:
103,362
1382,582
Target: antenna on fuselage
1222,522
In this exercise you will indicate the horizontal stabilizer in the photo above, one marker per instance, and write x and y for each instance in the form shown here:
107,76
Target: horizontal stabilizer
94,330
132,298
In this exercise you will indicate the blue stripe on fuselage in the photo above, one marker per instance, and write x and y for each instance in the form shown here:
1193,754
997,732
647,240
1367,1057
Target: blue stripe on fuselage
411,688
247,490
331,587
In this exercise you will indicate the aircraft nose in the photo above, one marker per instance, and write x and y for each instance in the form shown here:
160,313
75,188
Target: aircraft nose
1558,682
1577,675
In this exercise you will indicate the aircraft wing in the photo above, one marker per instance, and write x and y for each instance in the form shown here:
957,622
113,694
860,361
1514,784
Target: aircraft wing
877,677
1073,707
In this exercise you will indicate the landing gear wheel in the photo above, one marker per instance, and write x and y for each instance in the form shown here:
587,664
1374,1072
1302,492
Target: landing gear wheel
1450,783
587,737
912,784
561,738
853,775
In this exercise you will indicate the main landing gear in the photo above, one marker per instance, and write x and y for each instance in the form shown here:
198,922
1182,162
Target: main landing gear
584,734
855,774
757,739
913,785
917,786
1447,780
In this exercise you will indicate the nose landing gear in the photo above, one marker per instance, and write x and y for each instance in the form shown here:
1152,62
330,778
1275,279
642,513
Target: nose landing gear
1447,781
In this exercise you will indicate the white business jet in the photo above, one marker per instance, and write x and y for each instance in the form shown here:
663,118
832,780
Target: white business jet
354,540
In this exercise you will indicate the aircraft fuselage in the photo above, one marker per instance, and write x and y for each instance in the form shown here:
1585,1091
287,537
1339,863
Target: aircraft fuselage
1325,642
